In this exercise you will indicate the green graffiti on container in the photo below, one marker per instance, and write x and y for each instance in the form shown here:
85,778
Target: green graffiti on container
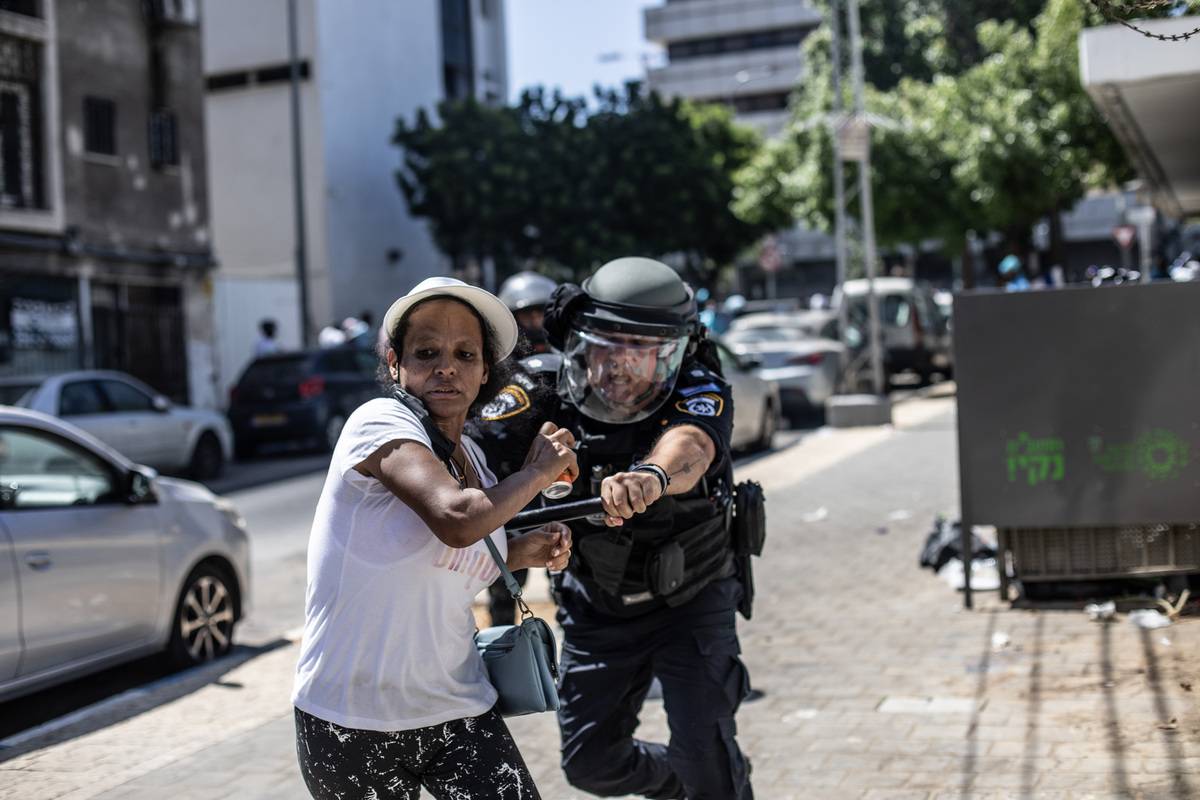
1037,460
1158,454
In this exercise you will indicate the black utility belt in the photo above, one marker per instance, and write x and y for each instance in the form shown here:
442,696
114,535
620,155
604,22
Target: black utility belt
672,569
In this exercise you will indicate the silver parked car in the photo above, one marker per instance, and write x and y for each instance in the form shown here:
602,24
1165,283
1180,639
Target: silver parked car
102,561
128,415
756,406
793,354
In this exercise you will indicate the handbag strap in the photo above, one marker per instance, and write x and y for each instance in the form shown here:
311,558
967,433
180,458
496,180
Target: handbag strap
510,582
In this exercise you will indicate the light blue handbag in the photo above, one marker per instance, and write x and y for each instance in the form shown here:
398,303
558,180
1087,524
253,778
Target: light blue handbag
522,659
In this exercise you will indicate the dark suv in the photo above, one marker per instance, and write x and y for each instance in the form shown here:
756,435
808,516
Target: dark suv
300,397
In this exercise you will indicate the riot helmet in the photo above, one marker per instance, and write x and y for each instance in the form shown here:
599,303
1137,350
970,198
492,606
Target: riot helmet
623,335
526,295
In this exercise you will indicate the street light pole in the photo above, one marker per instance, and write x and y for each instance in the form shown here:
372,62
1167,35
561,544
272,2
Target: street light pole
839,180
298,177
868,212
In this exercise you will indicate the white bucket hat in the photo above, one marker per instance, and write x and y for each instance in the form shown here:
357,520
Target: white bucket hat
495,313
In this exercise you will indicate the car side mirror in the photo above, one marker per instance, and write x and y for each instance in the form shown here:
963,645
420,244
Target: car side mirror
139,485
161,404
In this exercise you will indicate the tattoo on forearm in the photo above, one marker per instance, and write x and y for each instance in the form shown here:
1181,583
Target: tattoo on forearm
686,469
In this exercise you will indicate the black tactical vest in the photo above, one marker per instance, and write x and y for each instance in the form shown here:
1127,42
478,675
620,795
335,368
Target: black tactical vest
662,557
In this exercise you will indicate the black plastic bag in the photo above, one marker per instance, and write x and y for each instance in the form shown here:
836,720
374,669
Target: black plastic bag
944,542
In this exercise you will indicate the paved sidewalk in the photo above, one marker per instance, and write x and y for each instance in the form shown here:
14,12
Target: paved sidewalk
877,684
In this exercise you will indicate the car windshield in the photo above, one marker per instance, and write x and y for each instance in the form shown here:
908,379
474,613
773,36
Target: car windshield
270,371
760,335
16,394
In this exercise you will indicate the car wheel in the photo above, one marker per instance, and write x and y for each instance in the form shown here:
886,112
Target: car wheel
333,430
207,459
770,424
202,628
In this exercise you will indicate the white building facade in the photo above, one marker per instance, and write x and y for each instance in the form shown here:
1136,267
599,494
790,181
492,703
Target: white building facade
363,65
742,53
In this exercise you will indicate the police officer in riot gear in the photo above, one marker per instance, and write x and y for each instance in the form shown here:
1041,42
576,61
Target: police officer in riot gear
526,295
652,585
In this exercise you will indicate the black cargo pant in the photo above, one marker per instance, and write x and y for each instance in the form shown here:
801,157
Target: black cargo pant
473,758
606,671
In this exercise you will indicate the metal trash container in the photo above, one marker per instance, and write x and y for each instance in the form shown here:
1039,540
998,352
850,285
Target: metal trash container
1079,428
1052,554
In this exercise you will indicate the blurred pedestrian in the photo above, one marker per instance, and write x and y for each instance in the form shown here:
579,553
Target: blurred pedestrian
391,694
331,335
266,343
1012,277
358,332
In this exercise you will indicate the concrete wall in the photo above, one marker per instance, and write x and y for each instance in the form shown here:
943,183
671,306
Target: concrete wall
380,60
696,19
251,179
372,61
104,51
725,76
241,34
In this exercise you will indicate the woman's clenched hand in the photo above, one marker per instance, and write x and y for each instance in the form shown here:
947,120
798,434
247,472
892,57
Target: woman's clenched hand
548,546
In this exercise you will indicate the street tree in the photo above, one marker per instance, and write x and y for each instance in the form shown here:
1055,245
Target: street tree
555,181
999,145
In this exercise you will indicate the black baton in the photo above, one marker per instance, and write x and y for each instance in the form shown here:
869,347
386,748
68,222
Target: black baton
563,512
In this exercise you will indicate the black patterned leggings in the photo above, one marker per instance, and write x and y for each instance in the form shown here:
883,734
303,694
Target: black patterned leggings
462,759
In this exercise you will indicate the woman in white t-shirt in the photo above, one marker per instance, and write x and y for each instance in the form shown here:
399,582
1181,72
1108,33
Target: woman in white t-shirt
391,694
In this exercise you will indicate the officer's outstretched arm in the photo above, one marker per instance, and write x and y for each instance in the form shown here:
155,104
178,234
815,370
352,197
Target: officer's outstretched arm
684,452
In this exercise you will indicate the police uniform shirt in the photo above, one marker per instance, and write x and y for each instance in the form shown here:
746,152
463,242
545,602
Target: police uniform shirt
700,398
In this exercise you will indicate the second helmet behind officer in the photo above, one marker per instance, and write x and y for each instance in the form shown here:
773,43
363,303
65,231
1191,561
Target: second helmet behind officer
652,587
526,295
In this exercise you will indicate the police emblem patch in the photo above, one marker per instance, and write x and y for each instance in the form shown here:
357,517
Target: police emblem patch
511,401
702,405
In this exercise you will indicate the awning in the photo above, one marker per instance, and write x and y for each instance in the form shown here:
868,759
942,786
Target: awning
1149,91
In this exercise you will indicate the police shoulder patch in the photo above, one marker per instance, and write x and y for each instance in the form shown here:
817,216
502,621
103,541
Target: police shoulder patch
511,401
703,405
704,387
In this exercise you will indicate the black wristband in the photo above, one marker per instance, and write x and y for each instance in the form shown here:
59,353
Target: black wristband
664,480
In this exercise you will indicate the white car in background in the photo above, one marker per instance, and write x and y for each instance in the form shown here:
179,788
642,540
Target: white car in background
792,354
102,561
915,334
756,405
129,416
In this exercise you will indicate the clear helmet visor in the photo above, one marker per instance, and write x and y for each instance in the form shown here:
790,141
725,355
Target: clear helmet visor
619,378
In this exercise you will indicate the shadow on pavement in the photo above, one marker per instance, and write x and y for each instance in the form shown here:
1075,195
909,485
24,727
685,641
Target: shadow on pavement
1168,723
1116,747
1033,710
971,755
124,705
